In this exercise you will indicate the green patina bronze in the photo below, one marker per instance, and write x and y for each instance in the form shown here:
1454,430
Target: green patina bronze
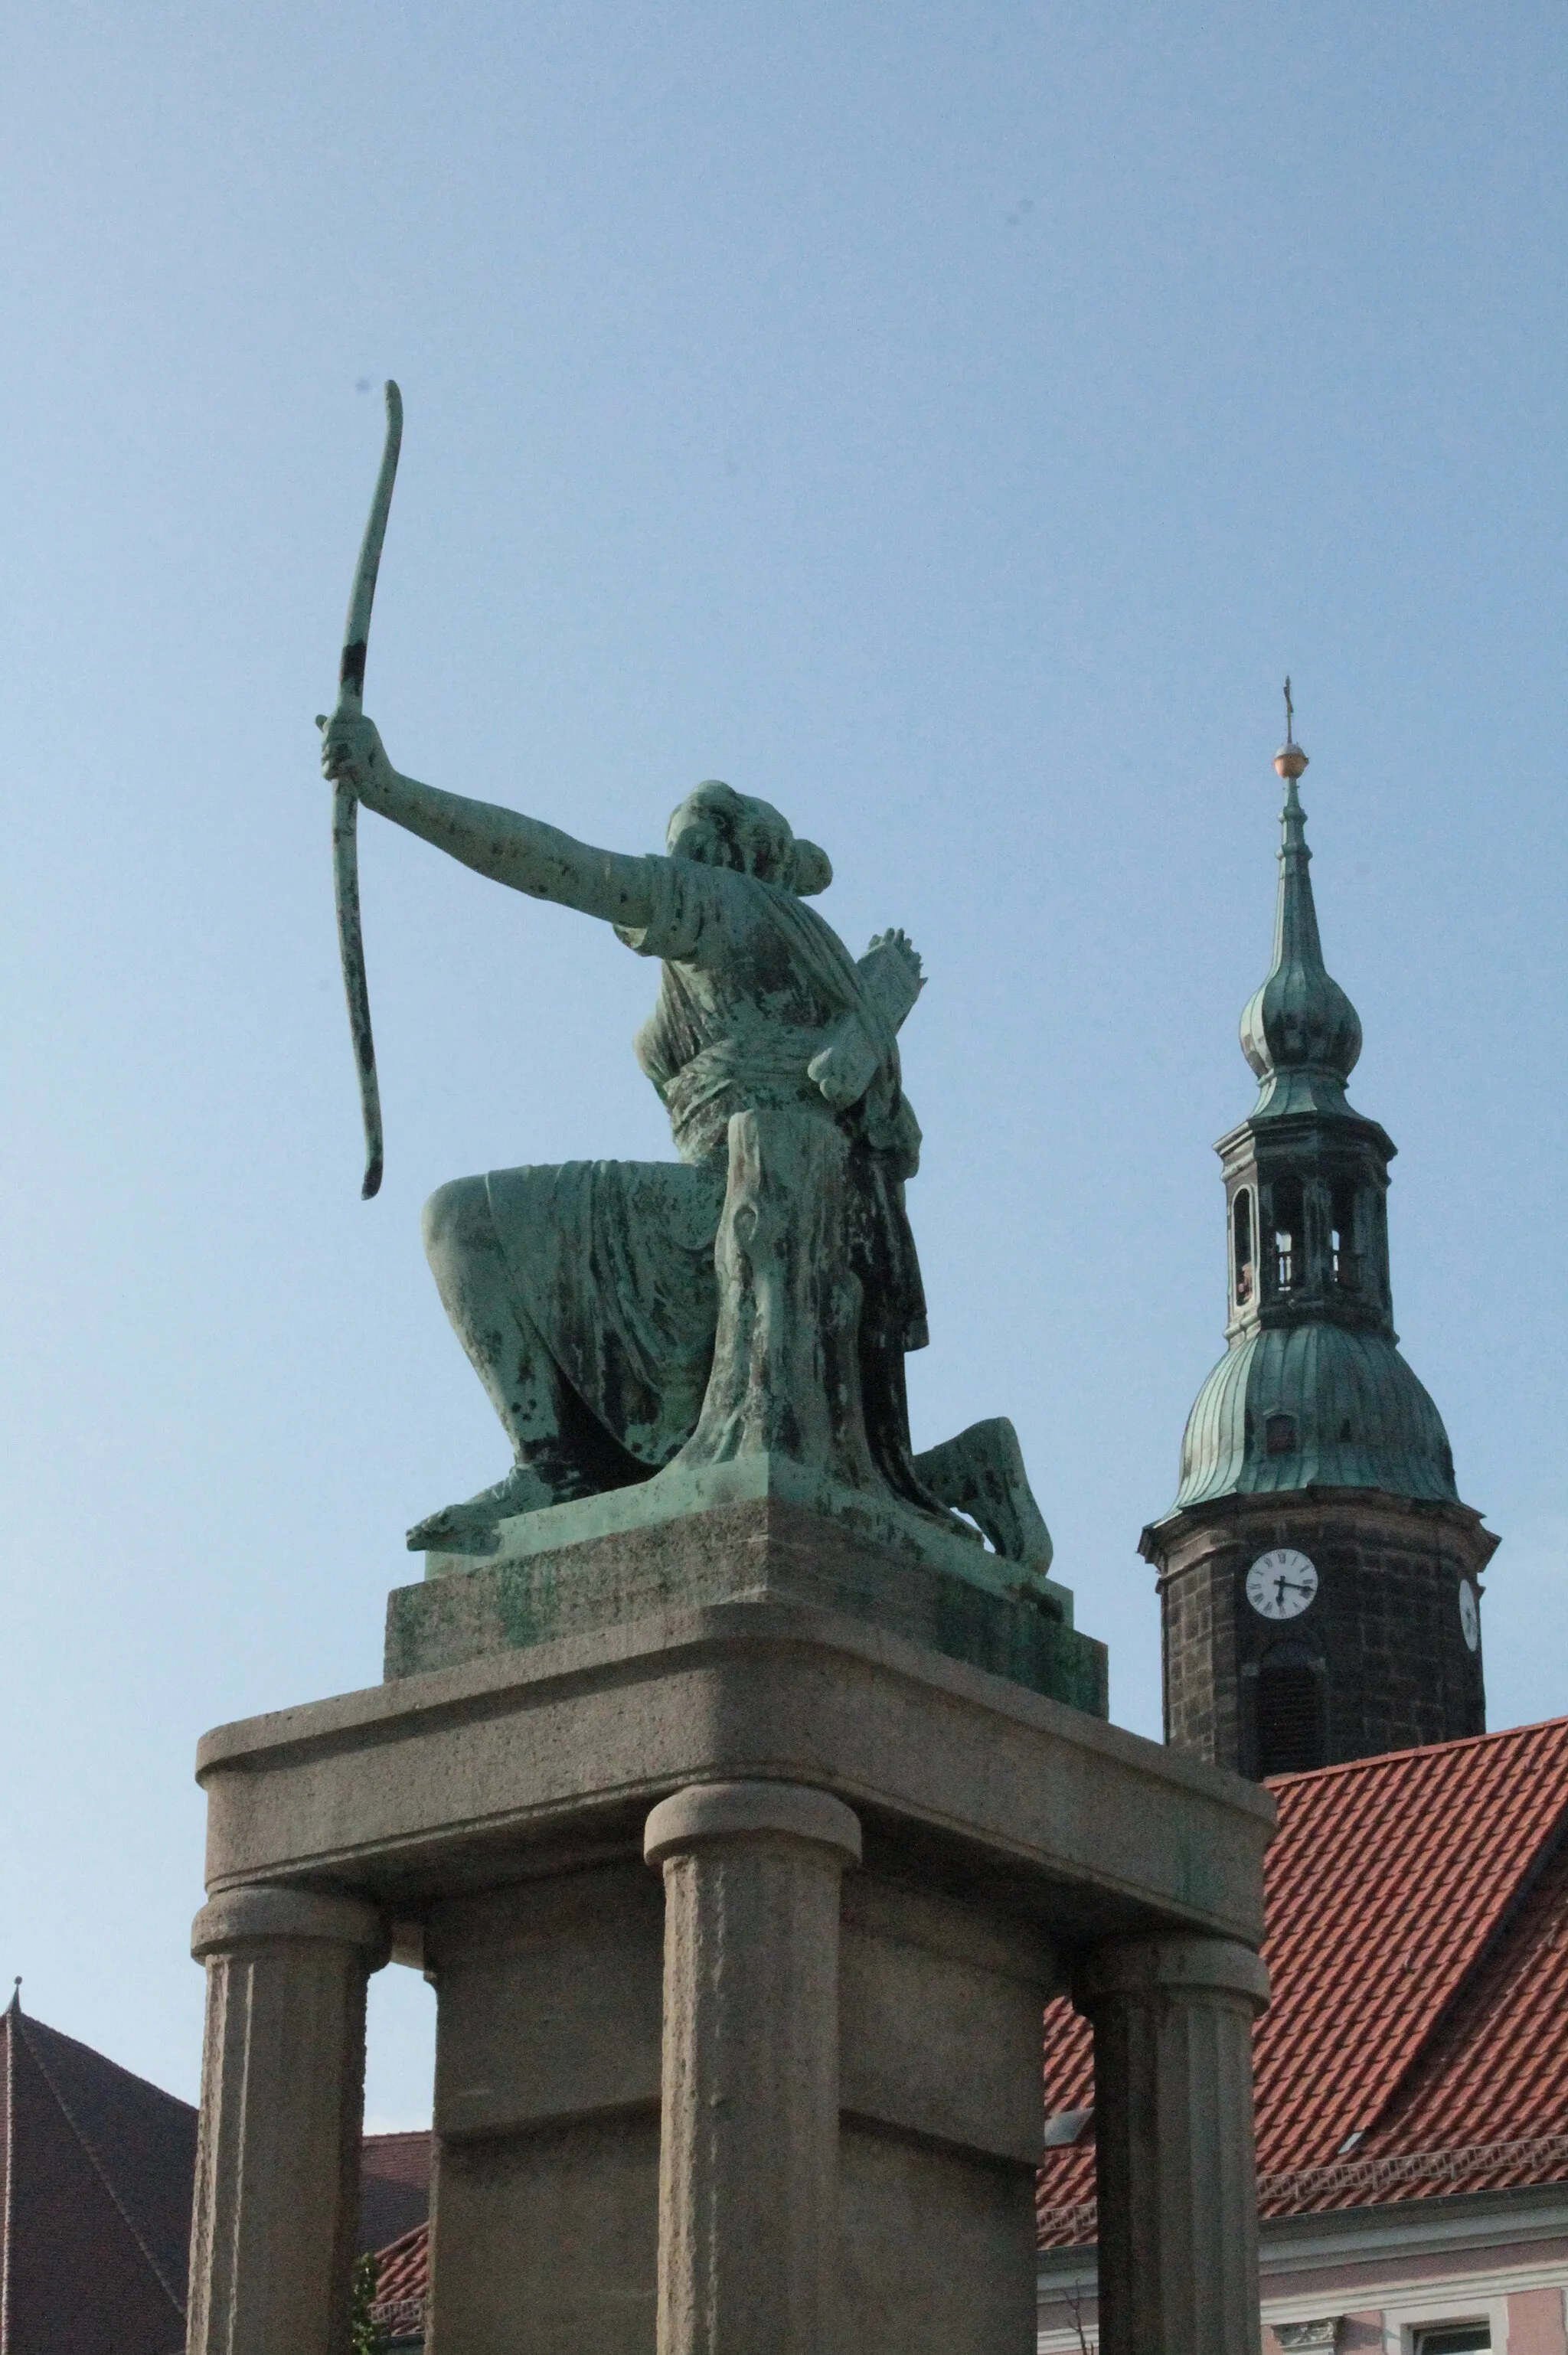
1312,1390
730,1547
663,1339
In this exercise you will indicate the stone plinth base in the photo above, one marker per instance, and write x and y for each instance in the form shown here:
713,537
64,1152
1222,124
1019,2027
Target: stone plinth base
764,1547
741,1921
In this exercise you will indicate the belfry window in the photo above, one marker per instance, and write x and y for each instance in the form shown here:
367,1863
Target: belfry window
1342,1240
1242,1246
1289,1256
1290,1710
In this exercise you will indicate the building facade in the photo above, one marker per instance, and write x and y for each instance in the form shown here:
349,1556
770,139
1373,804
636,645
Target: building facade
1320,1576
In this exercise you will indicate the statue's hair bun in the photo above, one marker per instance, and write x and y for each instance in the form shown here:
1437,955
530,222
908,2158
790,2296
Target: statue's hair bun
810,868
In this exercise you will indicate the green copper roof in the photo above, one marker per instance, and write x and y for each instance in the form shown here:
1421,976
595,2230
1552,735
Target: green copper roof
1358,1418
1299,1032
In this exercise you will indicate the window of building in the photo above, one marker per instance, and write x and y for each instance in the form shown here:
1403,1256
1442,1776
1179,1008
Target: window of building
1342,1240
1242,1246
1458,2324
1279,1434
1290,1710
1289,1256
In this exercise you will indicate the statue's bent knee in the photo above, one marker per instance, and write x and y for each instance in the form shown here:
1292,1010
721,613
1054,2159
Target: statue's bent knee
456,1217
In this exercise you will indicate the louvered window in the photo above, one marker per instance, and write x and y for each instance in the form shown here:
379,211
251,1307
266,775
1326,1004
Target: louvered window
1290,1711
1289,1261
1342,1240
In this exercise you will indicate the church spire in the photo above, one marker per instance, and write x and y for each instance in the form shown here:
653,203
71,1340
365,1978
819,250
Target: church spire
1299,1031
1316,1481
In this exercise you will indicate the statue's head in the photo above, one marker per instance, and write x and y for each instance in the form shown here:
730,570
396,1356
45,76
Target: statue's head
720,827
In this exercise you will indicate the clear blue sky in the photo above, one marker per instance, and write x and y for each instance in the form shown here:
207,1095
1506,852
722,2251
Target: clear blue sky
948,421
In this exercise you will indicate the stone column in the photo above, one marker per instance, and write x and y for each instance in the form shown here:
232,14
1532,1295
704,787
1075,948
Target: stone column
749,2149
277,2175
1175,2169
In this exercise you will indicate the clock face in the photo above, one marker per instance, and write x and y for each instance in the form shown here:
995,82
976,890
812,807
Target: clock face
1282,1583
1469,1614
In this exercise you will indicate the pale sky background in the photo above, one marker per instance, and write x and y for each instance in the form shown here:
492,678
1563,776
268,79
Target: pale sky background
948,421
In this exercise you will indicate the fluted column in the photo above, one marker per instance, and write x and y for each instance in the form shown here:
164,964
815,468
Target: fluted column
749,2150
282,2080
1176,2169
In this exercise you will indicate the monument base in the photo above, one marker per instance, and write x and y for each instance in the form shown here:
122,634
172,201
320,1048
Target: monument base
782,2093
746,1534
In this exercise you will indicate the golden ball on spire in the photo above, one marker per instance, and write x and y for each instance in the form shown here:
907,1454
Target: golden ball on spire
1290,760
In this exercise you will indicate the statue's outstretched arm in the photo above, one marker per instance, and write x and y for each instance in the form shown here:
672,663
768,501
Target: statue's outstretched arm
521,852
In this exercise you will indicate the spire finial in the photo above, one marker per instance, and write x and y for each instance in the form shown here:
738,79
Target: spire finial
1290,760
1299,1032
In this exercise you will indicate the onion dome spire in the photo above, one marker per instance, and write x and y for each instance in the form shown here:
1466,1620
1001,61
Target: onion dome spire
1299,1031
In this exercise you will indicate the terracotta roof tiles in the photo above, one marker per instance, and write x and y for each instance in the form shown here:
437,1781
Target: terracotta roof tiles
1417,1939
402,2284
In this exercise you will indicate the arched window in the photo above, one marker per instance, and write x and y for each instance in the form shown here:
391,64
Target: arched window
1242,1246
1289,1254
1290,1730
1342,1240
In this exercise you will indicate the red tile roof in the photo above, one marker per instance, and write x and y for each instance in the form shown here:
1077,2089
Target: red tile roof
394,2187
399,2158
405,2266
402,2284
1417,1939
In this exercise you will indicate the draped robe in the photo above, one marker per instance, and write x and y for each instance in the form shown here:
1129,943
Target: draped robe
611,1262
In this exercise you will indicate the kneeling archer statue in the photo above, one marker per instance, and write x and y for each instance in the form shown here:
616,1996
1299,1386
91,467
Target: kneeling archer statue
756,1296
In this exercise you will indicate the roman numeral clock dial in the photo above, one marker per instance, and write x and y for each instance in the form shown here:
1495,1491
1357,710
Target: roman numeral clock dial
1281,1585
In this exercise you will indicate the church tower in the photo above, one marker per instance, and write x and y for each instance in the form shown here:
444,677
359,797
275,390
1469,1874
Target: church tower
1318,1576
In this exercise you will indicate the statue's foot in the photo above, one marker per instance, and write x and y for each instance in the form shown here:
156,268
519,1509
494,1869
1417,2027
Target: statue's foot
981,1472
474,1527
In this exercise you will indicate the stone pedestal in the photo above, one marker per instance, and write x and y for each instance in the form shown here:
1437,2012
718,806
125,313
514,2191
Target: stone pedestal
277,2179
547,2111
765,2096
1176,2180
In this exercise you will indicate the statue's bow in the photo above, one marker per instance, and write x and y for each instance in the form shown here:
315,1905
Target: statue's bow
344,806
